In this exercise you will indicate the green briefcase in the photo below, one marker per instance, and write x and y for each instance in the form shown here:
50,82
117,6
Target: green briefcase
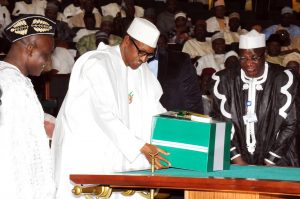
202,146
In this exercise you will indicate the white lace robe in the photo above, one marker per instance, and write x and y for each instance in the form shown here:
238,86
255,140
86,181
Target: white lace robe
25,164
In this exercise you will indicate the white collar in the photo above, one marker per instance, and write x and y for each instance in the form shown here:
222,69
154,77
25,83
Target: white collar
258,80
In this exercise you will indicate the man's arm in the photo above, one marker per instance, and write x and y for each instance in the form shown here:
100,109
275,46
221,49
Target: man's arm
287,131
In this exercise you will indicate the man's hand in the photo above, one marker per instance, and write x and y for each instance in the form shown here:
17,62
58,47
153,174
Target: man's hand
239,161
148,149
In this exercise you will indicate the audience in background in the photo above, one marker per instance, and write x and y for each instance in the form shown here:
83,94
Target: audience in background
231,59
79,20
216,59
273,50
91,41
233,34
29,7
165,20
218,22
286,20
198,46
4,15
181,33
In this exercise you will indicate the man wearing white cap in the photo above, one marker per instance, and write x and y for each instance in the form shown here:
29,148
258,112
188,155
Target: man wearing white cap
286,23
104,124
259,99
213,60
218,22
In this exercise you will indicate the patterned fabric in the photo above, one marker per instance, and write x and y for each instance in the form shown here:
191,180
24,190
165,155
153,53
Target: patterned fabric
26,167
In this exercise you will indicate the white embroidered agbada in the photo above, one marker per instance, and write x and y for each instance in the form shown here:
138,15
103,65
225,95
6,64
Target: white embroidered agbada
97,130
26,167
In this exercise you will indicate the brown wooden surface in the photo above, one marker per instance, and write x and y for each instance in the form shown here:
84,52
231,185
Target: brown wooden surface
192,184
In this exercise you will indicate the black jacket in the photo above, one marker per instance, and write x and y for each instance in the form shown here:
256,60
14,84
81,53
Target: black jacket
178,78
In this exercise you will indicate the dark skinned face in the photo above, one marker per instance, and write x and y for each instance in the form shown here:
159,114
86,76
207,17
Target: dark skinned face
252,61
136,52
39,54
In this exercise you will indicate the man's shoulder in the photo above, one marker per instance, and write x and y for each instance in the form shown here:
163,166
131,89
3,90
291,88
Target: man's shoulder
230,73
11,77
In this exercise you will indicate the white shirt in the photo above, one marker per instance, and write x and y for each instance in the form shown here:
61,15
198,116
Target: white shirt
196,48
97,130
36,7
26,167
62,60
213,24
215,61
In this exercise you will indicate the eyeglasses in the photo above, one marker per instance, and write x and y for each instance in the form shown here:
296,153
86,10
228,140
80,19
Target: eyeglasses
253,58
140,52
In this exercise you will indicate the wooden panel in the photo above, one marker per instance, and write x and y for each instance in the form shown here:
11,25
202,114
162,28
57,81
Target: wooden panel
227,195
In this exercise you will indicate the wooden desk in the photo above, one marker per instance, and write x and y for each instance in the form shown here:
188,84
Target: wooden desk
240,182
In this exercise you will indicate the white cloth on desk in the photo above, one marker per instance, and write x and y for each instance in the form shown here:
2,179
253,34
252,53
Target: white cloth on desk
97,130
26,167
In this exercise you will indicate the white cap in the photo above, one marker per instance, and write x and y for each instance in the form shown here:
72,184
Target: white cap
286,10
251,40
144,31
179,14
230,54
218,35
219,3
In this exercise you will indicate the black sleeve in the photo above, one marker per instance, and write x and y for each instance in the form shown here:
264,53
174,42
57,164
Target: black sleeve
191,87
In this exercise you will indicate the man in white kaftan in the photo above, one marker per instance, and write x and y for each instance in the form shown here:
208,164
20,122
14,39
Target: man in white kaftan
26,167
213,60
106,116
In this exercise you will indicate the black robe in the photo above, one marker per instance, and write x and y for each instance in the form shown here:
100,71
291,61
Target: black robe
275,108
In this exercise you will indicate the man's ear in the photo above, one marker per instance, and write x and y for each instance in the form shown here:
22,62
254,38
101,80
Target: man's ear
29,48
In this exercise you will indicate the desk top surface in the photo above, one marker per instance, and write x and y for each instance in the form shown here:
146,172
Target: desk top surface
235,171
258,179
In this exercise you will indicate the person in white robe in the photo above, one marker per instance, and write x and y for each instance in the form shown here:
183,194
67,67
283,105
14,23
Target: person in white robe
26,167
198,46
104,124
213,60
232,35
218,22
113,9
29,7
